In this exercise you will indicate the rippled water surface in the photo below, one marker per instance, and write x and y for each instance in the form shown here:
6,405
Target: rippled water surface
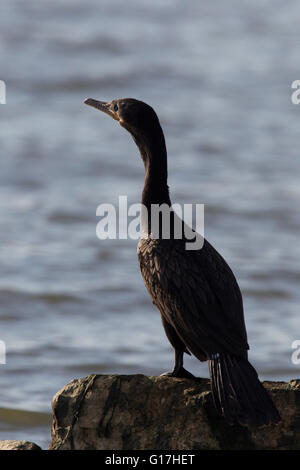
219,76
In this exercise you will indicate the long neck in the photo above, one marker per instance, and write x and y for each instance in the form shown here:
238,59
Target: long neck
154,155
156,190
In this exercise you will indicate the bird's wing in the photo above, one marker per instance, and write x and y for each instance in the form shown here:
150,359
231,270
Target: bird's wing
198,295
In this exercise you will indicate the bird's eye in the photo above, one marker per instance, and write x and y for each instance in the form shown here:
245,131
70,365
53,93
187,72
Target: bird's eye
115,107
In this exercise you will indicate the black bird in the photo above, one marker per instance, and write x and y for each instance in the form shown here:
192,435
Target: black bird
195,290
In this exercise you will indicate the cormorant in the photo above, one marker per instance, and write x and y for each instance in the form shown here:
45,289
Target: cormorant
195,291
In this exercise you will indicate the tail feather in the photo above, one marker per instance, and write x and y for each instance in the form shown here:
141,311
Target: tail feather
238,394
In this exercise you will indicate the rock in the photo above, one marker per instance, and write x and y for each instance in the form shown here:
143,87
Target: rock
132,412
18,445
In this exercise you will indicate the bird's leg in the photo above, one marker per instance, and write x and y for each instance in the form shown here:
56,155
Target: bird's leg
179,370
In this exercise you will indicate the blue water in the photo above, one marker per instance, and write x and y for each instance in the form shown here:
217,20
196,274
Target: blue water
219,75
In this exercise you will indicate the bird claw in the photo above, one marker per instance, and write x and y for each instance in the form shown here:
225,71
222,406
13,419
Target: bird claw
179,373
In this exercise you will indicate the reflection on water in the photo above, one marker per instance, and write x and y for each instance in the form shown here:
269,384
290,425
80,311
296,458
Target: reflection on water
220,82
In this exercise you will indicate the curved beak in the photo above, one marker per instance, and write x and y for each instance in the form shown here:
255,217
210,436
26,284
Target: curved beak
102,106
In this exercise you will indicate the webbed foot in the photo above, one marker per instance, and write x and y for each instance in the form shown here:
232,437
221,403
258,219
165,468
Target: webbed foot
181,373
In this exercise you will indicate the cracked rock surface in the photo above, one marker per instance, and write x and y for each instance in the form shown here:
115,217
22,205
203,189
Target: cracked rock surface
132,412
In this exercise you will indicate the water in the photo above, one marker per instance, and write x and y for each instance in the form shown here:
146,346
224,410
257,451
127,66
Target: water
219,76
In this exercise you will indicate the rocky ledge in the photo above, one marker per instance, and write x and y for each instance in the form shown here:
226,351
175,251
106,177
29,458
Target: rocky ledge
18,445
132,412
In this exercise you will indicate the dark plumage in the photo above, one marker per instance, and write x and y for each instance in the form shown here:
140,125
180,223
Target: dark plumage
195,290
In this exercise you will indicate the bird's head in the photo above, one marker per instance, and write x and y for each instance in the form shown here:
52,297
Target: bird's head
135,116
141,121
